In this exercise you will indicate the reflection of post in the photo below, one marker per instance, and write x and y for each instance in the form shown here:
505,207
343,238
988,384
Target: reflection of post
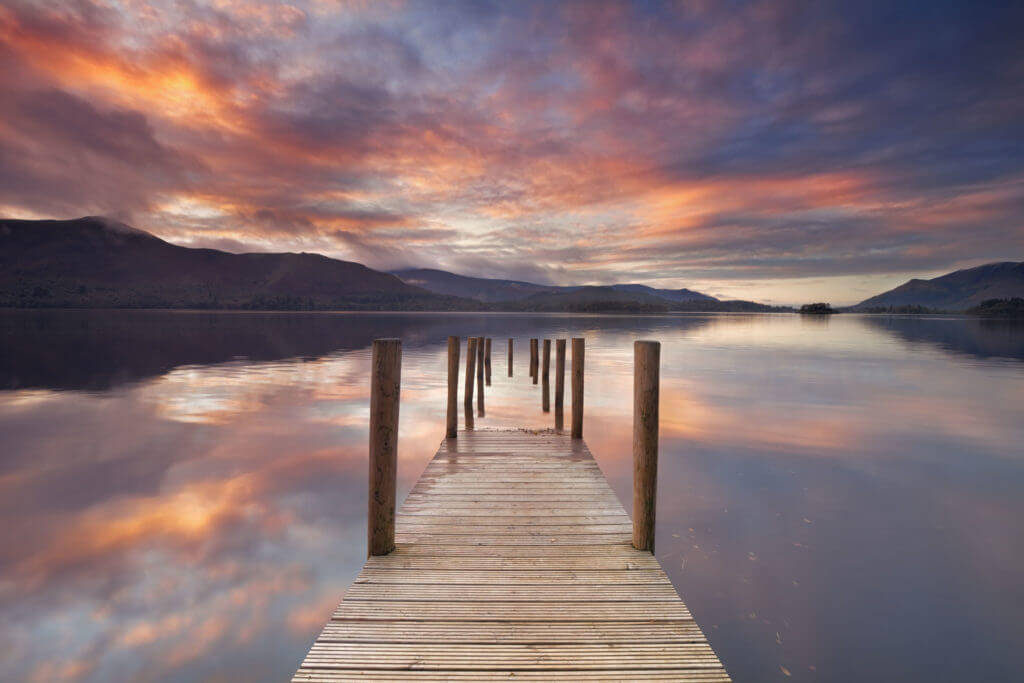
577,387
487,361
385,383
559,383
533,360
470,372
480,376
452,426
646,360
510,356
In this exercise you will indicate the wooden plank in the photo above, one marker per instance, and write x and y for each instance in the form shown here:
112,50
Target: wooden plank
513,578
529,632
513,560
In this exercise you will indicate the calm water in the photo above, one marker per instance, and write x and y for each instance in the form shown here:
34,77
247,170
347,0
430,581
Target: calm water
182,495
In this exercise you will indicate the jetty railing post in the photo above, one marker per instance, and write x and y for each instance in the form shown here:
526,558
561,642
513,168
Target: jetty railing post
480,376
385,385
546,367
577,387
646,380
545,378
533,360
510,356
487,361
559,383
470,371
452,422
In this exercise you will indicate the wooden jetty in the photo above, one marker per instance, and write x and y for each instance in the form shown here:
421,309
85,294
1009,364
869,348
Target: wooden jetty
511,559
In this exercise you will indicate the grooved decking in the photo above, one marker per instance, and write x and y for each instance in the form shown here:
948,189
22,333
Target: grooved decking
513,562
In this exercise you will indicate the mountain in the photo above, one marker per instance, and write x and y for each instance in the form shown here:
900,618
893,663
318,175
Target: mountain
615,300
676,295
98,262
481,289
491,290
955,291
592,300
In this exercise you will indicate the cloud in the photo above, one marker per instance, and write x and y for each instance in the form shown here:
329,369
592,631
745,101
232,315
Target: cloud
674,141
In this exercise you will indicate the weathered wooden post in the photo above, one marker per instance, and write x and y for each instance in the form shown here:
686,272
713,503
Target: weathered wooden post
470,371
510,356
533,360
487,361
385,383
546,367
577,387
559,383
545,403
646,362
480,376
452,426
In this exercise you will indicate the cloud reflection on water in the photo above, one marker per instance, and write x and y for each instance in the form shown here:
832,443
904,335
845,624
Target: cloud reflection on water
199,521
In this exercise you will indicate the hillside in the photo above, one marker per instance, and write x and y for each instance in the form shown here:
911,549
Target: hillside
482,289
491,290
614,300
97,262
957,291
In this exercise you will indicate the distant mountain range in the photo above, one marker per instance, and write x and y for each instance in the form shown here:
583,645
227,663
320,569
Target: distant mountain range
957,291
492,290
96,262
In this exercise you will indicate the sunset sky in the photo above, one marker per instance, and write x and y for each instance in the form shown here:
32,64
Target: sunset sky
777,150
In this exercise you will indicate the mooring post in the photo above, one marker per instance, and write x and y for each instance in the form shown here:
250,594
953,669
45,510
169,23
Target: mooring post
646,363
385,384
546,367
470,371
480,376
487,361
559,383
510,356
452,424
545,402
533,360
577,387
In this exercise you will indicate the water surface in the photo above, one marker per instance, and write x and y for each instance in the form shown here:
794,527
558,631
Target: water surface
182,495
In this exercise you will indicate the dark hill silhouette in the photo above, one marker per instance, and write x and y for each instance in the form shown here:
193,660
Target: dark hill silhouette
614,300
97,262
492,290
957,291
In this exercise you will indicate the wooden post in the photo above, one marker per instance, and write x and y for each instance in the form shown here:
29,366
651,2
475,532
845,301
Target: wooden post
646,361
533,360
546,368
470,371
559,383
480,376
577,387
487,361
452,426
385,383
470,379
510,356
545,403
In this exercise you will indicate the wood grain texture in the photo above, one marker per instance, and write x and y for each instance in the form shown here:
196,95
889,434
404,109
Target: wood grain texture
646,382
513,560
385,385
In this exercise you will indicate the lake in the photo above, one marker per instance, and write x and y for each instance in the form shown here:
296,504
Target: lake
183,494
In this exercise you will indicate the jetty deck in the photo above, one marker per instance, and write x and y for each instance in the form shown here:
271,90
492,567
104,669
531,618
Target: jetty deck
512,561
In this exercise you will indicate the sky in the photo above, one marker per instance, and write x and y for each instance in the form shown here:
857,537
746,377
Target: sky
776,150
